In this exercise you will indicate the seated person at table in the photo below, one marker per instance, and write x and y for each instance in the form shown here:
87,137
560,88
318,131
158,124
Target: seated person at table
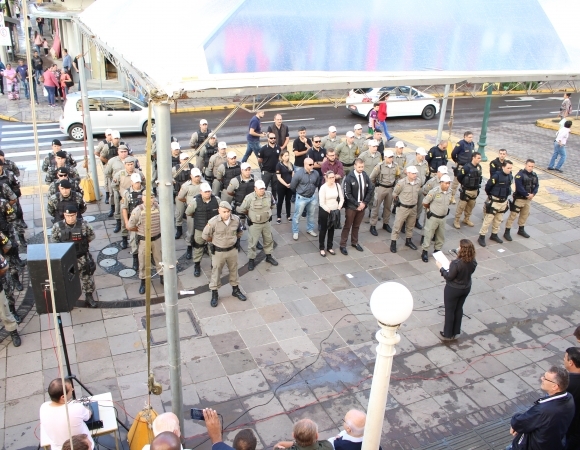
79,442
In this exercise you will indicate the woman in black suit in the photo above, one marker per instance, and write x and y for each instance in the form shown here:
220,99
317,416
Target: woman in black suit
457,288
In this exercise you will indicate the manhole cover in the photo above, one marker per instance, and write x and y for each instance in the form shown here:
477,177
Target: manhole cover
110,251
89,218
127,273
108,262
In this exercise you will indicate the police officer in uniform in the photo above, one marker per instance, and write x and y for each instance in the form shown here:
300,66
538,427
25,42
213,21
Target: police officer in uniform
206,153
346,152
9,165
225,173
131,198
10,250
175,154
222,232
104,144
9,178
498,189
360,139
496,164
185,197
178,180
437,157
71,229
470,176
371,157
62,173
527,185
8,320
400,157
461,155
258,206
60,160
332,140
240,187
436,204
50,161
199,136
114,165
204,206
137,222
59,203
384,176
213,165
421,165
120,183
406,195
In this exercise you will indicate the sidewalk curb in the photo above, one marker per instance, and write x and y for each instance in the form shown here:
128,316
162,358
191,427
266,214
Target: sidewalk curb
549,125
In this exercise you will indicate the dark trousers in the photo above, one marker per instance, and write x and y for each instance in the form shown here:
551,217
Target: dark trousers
453,299
324,231
271,177
353,219
284,195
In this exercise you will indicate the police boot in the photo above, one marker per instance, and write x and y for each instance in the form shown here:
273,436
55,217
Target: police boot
18,261
161,280
418,225
23,223
22,239
12,308
124,242
374,231
270,259
523,233
496,238
112,211
259,246
16,338
409,243
214,298
196,269
481,240
404,228
251,264
154,191
237,293
425,256
188,252
456,223
422,239
17,283
178,232
118,226
142,287
107,195
89,300
135,262
507,235
387,228
393,246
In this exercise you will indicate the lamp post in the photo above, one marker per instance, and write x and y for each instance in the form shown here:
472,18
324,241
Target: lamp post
483,137
391,304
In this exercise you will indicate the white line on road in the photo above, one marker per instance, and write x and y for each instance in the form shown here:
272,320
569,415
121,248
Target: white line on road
291,120
24,125
558,112
515,106
24,138
43,152
31,145
533,99
45,130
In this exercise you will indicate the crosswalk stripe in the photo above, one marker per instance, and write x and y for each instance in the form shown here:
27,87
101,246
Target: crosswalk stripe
23,138
50,124
31,144
43,152
43,130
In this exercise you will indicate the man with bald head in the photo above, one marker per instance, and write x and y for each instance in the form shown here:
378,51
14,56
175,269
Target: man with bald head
166,422
354,427
166,441
305,434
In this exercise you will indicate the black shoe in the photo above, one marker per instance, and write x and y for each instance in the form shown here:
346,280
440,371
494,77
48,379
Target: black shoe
189,252
135,262
443,338
154,191
523,233
214,298
107,195
112,211
270,259
404,228
16,338
24,224
161,279
22,239
90,301
124,242
425,256
422,240
481,240
496,238
196,269
118,226
418,225
142,287
343,250
179,232
251,264
559,170
17,284
550,168
387,228
374,231
259,246
17,318
393,246
507,235
19,262
409,243
237,293
358,247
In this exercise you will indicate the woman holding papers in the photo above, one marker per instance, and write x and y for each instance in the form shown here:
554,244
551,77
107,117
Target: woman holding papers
457,288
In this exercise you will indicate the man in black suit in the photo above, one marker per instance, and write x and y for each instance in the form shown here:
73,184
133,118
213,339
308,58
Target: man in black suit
358,193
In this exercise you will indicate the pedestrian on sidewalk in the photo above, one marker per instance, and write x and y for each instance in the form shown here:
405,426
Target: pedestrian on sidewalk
2,68
305,183
284,173
566,106
76,68
45,46
382,114
22,72
560,147
50,85
37,42
36,64
40,24
11,82
331,199
65,82
66,60
254,135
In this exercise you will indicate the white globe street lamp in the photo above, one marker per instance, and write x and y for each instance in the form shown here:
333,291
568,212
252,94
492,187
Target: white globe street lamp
391,304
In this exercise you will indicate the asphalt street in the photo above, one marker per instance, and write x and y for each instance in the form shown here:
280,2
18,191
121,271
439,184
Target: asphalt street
16,140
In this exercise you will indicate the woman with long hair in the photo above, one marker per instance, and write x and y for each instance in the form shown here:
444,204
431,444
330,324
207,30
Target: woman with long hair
330,198
284,173
457,288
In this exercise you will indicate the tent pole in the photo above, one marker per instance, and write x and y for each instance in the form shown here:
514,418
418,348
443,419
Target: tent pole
442,112
165,190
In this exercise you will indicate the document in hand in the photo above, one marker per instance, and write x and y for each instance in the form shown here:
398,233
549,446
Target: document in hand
441,258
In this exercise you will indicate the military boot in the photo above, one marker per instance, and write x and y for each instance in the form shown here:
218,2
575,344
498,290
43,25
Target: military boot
237,293
270,259
418,225
425,256
142,287
496,238
22,239
135,262
214,298
17,284
507,235
12,308
188,253
522,232
374,231
404,228
393,246
422,240
124,242
89,300
251,264
16,338
107,195
409,243
456,223
112,211
196,269
118,226
259,246
481,240
178,232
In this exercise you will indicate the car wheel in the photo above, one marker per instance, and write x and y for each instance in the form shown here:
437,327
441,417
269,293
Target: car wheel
428,112
76,132
144,127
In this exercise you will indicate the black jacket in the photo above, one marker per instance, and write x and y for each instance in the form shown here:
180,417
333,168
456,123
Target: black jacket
544,425
459,274
351,187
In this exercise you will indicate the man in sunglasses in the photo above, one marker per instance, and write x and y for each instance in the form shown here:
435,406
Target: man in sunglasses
268,158
63,173
317,154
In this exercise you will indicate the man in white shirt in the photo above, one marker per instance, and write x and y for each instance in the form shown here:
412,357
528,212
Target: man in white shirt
560,147
165,422
352,436
53,423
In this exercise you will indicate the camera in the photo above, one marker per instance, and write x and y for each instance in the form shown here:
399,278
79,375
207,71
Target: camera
197,414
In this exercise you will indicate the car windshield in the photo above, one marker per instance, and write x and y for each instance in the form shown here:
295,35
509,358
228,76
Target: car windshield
362,90
136,100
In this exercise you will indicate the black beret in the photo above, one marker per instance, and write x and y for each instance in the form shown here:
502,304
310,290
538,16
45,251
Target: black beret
71,209
65,184
61,154
56,142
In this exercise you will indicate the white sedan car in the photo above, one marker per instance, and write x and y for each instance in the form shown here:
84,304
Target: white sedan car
403,101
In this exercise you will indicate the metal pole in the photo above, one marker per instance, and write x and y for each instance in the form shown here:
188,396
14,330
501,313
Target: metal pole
442,112
388,338
87,117
483,136
165,190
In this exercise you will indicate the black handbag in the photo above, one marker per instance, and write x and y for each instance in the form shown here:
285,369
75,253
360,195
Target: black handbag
334,216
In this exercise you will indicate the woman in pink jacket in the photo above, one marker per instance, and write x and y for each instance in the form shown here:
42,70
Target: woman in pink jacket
50,84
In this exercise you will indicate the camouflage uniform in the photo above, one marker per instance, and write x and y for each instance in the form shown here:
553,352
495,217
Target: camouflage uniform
81,234
76,187
51,173
128,203
50,163
9,246
57,205
8,177
12,167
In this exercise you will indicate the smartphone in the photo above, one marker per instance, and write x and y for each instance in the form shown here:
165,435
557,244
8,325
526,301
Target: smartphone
197,414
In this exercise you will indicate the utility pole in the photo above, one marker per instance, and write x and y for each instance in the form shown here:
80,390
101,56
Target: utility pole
442,112
483,136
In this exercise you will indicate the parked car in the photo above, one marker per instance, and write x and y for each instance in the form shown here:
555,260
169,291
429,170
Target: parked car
109,109
403,101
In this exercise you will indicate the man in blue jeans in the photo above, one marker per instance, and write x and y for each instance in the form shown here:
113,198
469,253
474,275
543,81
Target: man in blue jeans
305,183
254,135
560,147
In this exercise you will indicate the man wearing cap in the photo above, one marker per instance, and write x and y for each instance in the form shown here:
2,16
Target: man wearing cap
215,162
461,155
7,177
225,173
114,165
6,316
104,143
257,206
300,147
470,176
65,200
10,246
111,149
436,204
384,176
406,196
7,195
181,175
198,137
121,182
280,131
371,157
62,173
49,160
175,154
400,158
304,183
360,139
437,157
206,152
204,206
222,232
332,163
9,165
60,160
132,197
137,222
423,168
240,187
186,194
254,135
347,152
332,140
71,228
268,158
378,137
